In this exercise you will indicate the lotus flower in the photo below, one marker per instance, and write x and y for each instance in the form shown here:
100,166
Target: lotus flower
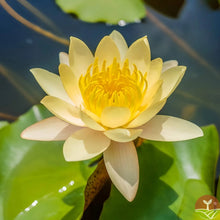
103,102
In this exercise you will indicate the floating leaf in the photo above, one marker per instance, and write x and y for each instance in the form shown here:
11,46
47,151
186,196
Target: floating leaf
165,169
111,11
35,180
3,124
193,190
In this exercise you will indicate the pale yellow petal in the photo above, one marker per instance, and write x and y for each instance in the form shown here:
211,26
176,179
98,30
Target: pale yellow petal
123,134
146,115
169,64
70,84
50,83
85,144
139,54
114,116
167,128
121,162
64,58
107,51
120,42
80,56
171,79
153,94
63,110
155,71
50,129
90,122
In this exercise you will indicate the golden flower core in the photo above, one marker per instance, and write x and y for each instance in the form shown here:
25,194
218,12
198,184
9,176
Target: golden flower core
112,85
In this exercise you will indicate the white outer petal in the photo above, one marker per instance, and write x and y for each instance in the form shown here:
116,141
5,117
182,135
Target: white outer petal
167,128
50,129
85,144
121,162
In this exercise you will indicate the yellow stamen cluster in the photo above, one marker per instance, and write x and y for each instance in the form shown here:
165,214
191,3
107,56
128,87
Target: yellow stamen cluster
112,85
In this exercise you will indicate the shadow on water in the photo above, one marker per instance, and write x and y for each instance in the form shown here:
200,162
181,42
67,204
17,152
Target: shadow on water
192,39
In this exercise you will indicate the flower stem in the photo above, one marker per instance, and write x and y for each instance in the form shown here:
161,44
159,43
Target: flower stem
95,183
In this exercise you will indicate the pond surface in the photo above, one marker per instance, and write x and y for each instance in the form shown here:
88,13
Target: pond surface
192,39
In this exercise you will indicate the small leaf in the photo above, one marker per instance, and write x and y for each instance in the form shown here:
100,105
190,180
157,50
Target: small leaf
110,11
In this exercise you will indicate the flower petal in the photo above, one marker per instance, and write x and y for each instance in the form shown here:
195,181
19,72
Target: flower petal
169,64
171,79
139,54
80,56
153,94
155,71
63,110
121,162
50,83
123,134
50,129
64,58
167,128
120,42
85,144
146,115
90,122
114,116
107,51
70,84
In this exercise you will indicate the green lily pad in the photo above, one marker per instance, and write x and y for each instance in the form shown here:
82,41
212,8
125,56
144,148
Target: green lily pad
110,11
3,124
165,169
193,190
35,180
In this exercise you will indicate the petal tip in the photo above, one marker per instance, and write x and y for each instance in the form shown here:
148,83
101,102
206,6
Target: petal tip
34,71
183,68
200,132
24,135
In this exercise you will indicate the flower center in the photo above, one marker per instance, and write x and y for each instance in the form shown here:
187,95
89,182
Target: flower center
112,86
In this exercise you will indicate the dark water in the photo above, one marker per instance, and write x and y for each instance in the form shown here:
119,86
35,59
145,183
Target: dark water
193,39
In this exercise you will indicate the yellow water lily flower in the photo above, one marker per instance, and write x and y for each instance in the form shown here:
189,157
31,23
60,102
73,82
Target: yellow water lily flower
103,102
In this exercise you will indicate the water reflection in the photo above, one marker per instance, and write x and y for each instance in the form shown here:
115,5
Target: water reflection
33,204
192,39
64,188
